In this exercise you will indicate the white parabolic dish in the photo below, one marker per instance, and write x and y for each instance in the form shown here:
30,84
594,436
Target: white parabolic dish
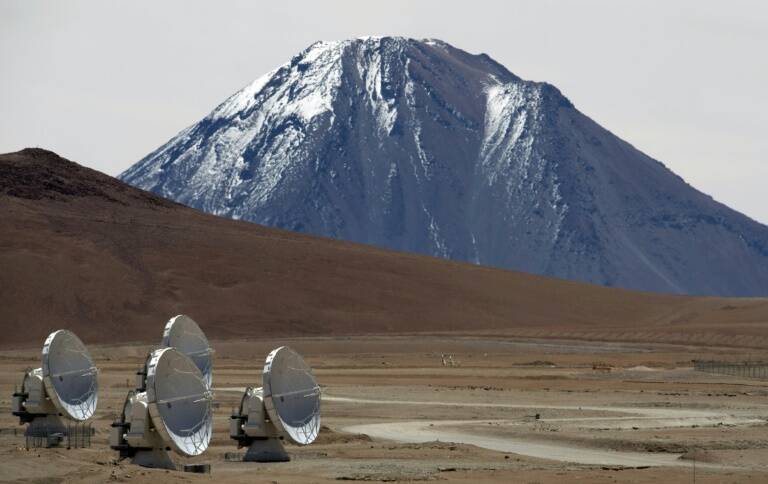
184,334
291,395
69,375
179,401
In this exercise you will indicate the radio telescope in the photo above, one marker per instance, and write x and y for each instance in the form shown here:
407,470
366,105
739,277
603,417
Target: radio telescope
173,413
184,334
286,406
63,388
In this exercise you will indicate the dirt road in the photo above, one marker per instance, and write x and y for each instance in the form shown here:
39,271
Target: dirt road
434,430
430,430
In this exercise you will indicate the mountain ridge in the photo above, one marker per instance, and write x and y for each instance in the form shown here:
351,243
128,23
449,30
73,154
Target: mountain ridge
421,147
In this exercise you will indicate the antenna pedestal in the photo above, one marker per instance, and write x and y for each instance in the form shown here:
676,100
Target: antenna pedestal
253,429
158,458
266,450
33,407
133,437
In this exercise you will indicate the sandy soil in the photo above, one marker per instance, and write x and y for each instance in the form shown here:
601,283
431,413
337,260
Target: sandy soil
391,412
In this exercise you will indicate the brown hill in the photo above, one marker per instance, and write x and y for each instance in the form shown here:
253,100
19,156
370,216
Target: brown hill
81,250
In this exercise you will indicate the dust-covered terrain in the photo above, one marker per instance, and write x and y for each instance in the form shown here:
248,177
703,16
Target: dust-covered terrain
512,410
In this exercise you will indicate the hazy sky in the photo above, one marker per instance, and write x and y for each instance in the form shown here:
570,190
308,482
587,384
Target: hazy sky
105,83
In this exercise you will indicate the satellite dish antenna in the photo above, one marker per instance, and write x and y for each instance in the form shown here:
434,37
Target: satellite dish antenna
286,406
173,413
63,389
184,334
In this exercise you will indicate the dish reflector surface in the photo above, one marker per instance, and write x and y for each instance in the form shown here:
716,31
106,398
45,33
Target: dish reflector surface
179,401
291,395
69,375
184,334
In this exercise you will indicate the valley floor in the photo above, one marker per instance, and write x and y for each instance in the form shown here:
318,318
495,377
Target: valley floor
392,412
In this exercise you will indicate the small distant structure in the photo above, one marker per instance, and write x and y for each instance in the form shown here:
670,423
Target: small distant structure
602,367
448,360
743,369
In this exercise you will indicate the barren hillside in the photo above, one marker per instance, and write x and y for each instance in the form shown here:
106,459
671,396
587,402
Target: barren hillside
81,250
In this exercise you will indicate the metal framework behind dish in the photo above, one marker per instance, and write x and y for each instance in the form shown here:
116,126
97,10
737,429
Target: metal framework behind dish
56,393
269,414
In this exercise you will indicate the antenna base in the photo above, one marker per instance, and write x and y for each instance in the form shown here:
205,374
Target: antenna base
156,458
266,450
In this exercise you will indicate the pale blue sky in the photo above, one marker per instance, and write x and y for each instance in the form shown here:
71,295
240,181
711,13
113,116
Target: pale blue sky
105,83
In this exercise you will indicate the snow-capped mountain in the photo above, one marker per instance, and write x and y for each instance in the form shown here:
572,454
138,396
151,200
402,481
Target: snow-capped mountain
419,146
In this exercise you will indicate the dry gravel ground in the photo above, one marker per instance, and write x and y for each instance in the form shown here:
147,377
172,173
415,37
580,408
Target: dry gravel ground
651,405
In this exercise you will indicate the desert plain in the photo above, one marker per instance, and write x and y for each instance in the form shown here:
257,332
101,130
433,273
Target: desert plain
511,410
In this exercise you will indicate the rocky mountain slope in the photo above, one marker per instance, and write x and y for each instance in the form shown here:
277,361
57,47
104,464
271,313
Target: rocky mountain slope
421,147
